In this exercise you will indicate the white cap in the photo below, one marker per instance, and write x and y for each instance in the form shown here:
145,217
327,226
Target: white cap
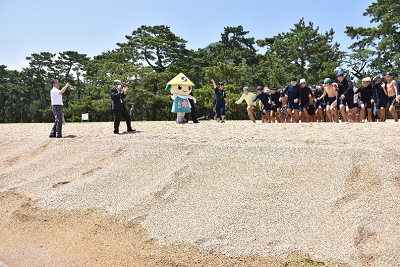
303,81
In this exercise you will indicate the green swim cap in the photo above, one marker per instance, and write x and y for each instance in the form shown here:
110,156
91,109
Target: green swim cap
327,80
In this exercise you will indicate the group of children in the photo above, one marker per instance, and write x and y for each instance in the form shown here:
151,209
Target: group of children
327,101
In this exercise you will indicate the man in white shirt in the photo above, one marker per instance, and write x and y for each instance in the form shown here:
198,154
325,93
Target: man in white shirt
57,107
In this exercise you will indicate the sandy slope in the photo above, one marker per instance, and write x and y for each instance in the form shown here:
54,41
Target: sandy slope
331,190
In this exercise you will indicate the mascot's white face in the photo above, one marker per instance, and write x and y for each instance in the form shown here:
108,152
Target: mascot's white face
181,89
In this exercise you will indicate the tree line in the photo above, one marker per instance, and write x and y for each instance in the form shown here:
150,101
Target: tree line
152,55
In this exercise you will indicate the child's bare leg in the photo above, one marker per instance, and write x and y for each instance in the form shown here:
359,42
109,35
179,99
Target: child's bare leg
369,110
392,110
381,114
250,113
343,112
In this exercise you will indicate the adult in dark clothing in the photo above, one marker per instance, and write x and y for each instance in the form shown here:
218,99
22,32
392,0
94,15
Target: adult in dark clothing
305,100
367,98
380,96
118,106
346,98
192,110
276,105
220,100
294,93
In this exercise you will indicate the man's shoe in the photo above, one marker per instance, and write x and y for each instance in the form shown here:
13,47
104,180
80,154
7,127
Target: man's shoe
196,122
116,132
52,136
59,136
131,130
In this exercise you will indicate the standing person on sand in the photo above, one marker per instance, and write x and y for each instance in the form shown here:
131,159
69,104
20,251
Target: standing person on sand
248,97
118,106
220,101
57,108
347,97
294,93
192,109
380,96
276,105
265,100
367,98
331,94
305,101
390,89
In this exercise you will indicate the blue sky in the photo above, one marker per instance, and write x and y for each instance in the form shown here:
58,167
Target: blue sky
92,27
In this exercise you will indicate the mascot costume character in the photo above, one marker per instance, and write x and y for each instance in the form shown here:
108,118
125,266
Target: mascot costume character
180,88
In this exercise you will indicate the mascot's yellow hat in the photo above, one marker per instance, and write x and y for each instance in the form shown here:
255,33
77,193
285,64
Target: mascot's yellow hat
179,79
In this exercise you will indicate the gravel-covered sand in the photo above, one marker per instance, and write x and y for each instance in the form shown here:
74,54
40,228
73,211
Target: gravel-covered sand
329,190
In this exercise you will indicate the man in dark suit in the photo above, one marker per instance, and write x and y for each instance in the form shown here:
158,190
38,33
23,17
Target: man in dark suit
118,106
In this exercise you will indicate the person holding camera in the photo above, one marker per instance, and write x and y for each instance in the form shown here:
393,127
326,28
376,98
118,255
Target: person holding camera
57,108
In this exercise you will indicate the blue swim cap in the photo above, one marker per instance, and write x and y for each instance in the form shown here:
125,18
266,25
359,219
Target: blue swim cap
340,73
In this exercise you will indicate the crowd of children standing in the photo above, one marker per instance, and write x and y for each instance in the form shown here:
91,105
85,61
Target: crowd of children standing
326,102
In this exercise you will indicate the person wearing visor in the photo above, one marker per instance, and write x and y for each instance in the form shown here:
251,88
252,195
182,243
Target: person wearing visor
248,97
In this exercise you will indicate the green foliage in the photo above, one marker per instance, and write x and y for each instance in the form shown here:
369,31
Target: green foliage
235,47
153,55
385,37
228,73
156,45
358,62
301,52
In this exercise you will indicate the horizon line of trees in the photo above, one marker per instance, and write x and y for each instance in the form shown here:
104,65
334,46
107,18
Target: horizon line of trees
152,55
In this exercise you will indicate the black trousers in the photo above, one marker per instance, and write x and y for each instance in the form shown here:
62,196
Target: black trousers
117,118
192,112
58,120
